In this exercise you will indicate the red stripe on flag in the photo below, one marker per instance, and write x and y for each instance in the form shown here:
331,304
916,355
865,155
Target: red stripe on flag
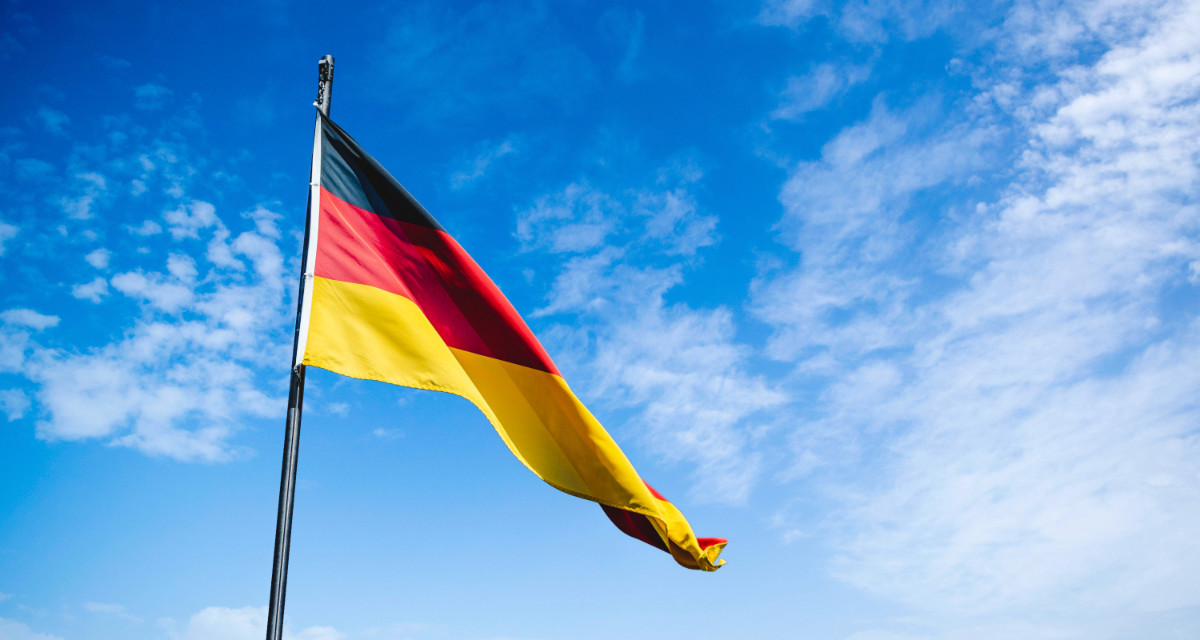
351,251
428,267
708,542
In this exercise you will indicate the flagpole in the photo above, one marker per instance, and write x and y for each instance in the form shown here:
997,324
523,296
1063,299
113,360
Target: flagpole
291,442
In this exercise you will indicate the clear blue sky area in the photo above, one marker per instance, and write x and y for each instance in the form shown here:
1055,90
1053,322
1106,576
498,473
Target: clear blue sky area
900,298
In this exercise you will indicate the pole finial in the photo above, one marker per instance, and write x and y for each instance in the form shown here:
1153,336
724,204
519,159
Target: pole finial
324,84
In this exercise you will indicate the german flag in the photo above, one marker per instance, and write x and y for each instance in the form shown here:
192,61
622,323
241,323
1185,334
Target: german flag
390,296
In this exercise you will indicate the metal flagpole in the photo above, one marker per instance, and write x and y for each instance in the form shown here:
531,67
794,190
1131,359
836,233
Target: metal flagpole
291,442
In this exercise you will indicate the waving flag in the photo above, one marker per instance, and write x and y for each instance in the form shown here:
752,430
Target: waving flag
390,296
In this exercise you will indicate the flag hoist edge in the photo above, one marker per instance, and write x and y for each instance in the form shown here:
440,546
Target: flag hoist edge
390,296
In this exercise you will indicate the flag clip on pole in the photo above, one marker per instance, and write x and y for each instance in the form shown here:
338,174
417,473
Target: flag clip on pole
291,442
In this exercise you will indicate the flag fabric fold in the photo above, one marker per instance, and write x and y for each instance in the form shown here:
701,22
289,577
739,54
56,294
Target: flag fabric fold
395,298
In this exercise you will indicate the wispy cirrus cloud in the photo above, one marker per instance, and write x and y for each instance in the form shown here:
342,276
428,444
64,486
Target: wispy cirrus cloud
1006,389
818,88
478,166
681,369
871,21
626,29
846,217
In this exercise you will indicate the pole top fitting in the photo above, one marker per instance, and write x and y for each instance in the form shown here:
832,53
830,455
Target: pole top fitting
325,84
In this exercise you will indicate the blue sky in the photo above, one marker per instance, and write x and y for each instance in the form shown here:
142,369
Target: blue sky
901,298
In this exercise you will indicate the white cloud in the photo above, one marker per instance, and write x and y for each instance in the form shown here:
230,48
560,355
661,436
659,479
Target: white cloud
188,220
187,357
164,391
788,12
870,21
1055,32
90,186
818,88
1008,399
53,120
14,403
93,291
247,623
182,268
387,434
150,97
147,228
1006,496
845,215
481,163
684,371
13,346
581,219
673,219
115,63
112,610
575,220
28,318
1099,626
13,630
177,384
99,258
7,232
680,368
265,221
159,291
340,409
626,28
263,254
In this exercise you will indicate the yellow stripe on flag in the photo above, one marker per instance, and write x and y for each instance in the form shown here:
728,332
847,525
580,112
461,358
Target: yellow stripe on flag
363,332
